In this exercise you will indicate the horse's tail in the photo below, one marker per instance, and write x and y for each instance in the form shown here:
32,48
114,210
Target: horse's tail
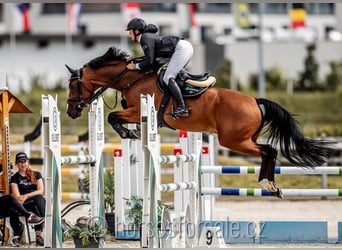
281,128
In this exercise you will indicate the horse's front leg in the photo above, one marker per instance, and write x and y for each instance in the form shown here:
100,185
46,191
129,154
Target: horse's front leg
266,175
118,118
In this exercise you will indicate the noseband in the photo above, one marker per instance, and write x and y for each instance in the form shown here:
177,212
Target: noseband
77,75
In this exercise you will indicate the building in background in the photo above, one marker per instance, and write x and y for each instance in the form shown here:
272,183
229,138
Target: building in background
49,44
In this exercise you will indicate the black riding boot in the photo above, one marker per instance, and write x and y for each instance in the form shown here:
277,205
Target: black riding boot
181,110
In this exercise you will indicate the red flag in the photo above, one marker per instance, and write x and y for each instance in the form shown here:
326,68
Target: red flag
188,16
24,10
74,15
130,11
191,7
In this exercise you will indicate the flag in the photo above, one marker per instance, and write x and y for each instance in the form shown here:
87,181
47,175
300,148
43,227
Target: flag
24,16
130,11
188,15
242,15
298,15
191,14
74,11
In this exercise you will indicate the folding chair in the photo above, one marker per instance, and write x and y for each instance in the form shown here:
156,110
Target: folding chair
22,219
2,229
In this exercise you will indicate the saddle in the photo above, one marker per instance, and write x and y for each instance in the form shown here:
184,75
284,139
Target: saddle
191,85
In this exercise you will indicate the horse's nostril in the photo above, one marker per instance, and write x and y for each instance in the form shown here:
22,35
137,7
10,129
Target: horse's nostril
73,113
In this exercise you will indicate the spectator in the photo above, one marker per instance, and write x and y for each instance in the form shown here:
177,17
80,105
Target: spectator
12,208
28,188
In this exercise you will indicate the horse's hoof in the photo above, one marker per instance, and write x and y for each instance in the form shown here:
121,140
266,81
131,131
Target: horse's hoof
266,184
278,194
271,187
134,134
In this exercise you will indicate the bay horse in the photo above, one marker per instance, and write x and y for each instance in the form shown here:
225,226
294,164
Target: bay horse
236,118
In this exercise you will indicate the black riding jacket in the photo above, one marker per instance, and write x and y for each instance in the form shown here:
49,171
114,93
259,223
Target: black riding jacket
155,46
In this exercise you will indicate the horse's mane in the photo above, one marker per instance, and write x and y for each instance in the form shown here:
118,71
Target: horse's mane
111,55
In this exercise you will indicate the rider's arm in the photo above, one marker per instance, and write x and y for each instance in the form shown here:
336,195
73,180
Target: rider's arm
147,43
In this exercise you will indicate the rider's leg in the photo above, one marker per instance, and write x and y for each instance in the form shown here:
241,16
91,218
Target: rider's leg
178,61
181,109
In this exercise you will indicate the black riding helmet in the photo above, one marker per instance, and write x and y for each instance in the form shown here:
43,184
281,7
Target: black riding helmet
136,24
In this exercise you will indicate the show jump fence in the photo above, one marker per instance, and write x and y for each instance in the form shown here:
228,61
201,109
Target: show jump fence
53,161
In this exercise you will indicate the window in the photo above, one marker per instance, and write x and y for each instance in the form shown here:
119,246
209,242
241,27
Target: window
53,8
269,8
59,8
275,8
213,7
101,7
320,8
158,7
1,12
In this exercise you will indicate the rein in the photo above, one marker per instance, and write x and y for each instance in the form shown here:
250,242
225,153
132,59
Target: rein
85,103
136,80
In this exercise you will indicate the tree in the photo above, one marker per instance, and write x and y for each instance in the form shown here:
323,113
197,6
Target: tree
274,77
308,79
223,74
333,79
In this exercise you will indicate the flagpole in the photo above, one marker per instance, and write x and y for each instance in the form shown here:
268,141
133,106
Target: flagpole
128,12
123,38
261,78
13,39
68,34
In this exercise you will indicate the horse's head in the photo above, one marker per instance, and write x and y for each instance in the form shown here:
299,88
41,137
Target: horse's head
76,100
85,81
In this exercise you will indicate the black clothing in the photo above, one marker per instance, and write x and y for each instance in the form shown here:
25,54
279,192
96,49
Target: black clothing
24,185
182,109
21,156
12,208
155,46
35,203
7,202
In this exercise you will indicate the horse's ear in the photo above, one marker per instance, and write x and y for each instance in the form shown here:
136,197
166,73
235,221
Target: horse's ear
72,71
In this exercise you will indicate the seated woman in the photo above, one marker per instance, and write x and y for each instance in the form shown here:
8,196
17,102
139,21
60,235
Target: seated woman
12,208
28,188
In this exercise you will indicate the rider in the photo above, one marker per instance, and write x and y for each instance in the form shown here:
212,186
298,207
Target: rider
179,52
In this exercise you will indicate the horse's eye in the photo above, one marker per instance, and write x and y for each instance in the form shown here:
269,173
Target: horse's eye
71,87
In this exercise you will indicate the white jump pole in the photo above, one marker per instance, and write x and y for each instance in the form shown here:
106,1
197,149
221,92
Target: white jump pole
150,144
52,166
152,187
51,134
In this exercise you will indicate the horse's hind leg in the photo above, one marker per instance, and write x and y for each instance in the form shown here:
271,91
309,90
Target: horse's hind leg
267,154
268,157
266,175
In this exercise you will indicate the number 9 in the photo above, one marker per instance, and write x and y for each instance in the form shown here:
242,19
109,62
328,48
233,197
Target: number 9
209,236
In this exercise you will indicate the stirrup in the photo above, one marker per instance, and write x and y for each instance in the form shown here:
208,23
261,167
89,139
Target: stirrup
179,112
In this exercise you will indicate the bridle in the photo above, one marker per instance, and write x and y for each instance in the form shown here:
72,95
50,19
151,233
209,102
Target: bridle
77,75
